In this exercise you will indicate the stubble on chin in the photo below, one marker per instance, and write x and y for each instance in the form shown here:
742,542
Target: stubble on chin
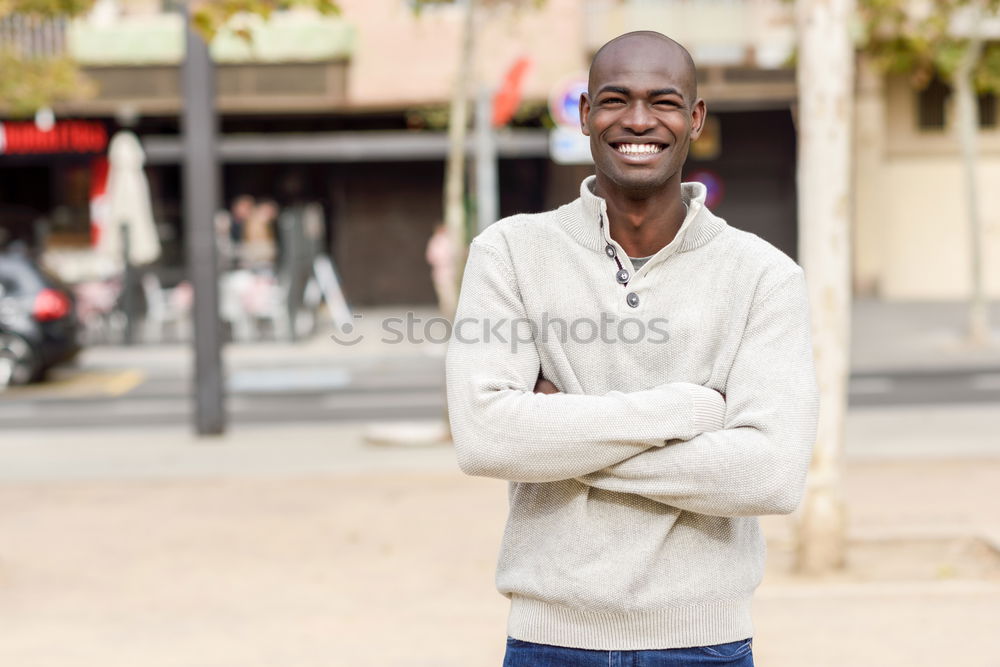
633,187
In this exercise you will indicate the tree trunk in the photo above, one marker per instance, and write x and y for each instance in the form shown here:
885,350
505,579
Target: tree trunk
968,134
825,82
454,185
458,120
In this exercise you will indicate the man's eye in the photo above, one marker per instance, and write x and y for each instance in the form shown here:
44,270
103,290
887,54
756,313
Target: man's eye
613,100
668,103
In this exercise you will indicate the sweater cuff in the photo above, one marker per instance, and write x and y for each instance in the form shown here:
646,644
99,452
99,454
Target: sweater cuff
708,410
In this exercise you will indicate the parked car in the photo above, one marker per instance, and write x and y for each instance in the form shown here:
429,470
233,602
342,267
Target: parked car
38,325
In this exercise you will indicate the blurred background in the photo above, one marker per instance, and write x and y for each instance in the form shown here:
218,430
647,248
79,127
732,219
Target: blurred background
265,478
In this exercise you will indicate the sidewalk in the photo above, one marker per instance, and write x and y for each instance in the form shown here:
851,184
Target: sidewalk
305,546
376,331
922,336
885,337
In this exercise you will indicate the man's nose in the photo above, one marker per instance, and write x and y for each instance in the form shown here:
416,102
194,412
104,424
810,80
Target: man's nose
638,118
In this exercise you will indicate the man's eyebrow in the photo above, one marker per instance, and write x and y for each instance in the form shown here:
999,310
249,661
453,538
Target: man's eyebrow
665,91
614,89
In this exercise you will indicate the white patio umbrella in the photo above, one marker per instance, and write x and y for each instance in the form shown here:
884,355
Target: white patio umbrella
128,204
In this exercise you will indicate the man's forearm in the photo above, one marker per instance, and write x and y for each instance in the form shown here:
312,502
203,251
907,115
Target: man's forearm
533,437
732,472
502,428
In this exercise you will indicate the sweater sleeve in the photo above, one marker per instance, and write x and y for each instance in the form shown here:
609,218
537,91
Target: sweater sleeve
502,429
758,463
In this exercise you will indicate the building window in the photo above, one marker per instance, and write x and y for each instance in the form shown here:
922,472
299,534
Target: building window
931,105
988,110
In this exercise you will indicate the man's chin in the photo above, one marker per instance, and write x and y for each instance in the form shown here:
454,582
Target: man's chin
635,187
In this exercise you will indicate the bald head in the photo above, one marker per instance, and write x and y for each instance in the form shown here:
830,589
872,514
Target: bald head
646,46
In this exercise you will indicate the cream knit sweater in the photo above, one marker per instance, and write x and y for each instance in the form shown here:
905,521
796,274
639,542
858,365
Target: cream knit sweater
634,491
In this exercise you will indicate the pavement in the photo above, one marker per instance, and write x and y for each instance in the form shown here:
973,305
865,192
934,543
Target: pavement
305,544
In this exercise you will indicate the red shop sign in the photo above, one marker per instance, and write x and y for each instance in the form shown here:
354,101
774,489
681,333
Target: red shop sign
69,136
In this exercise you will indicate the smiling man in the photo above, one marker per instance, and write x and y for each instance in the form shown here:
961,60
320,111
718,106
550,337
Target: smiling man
641,373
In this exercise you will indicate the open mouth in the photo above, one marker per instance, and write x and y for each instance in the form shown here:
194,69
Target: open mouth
639,150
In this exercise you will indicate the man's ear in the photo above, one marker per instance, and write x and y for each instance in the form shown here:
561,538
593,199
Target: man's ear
584,112
698,115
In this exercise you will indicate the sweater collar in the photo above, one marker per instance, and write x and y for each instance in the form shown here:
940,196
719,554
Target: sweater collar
584,223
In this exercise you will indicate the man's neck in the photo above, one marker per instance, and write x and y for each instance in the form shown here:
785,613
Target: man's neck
642,225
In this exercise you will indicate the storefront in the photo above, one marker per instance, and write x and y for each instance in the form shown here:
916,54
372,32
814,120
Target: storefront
45,179
380,189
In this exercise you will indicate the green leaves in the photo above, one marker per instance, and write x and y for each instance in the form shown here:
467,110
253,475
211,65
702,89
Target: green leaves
45,8
37,82
33,81
987,75
209,16
920,40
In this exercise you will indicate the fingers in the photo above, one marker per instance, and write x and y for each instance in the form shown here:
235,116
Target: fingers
543,386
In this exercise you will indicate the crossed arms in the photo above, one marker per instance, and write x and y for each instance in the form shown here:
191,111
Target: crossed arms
679,444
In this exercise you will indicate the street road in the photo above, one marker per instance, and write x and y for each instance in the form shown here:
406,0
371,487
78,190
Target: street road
403,388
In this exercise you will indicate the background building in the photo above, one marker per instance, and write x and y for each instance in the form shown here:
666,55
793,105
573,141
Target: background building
911,235
350,112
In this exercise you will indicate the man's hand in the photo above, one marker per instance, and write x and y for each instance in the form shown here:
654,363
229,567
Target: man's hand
543,386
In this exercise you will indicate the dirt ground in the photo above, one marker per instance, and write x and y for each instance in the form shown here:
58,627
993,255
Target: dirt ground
397,568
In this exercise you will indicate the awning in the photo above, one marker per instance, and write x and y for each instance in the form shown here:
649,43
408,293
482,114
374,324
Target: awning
370,146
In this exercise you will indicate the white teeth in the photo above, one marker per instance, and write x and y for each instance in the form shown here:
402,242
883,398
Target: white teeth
639,149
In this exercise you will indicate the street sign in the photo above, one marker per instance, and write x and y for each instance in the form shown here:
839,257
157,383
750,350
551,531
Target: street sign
569,146
564,100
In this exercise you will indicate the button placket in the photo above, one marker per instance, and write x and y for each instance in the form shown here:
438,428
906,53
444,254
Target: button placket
622,275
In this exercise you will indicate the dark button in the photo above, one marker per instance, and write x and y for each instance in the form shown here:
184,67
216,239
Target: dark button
622,276
632,299
610,249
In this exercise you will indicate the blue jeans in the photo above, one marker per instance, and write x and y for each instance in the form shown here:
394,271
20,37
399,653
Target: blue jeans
527,654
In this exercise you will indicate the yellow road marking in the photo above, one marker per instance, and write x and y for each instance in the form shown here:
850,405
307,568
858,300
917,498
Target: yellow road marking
123,382
87,383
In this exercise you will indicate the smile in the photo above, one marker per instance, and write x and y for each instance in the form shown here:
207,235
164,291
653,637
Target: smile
639,149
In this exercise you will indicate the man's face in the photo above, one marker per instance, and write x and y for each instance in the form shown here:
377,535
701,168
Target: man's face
641,114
